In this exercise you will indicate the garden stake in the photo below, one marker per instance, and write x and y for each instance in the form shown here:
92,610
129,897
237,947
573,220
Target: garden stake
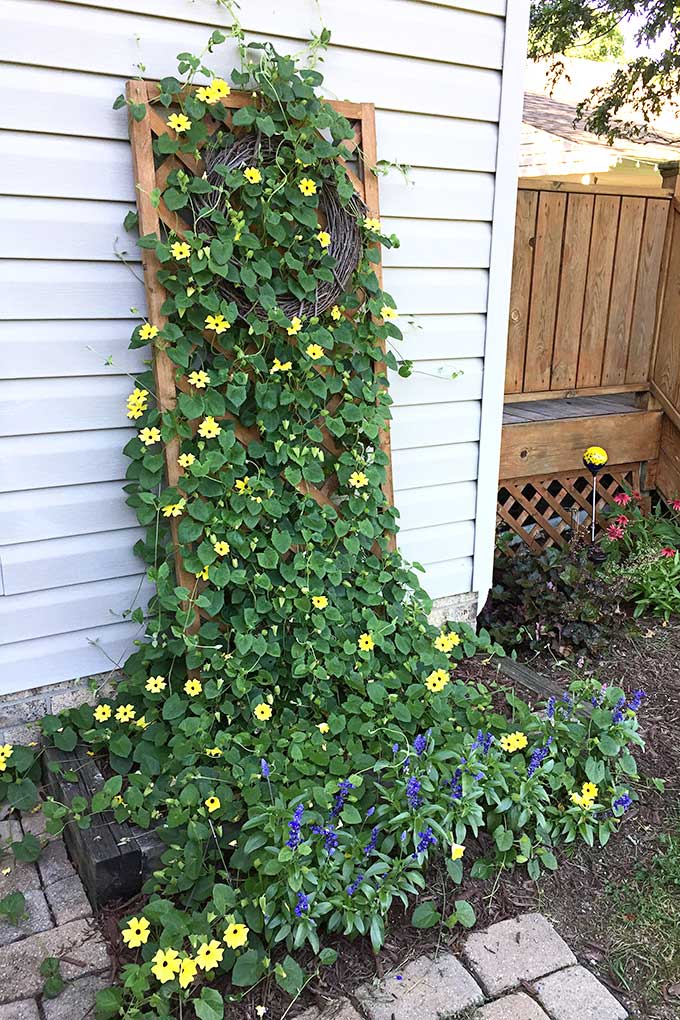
594,458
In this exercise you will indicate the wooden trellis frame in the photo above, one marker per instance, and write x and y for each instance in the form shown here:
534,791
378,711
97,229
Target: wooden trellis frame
152,173
540,510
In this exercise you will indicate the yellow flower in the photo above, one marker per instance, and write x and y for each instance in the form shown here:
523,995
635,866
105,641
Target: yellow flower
437,681
314,351
358,479
319,601
366,642
307,186
149,436
584,802
179,122
221,548
322,727
125,713
180,250
220,86
252,175
199,379
206,95
210,953
280,366
457,851
102,713
262,712
193,687
324,238
155,684
3,765
446,642
142,723
589,791
203,575
137,932
148,332
336,313
388,313
137,403
513,741
187,972
172,510
166,965
242,485
213,752
372,224
236,935
596,456
185,460
117,800
213,804
209,428
295,326
6,750
217,323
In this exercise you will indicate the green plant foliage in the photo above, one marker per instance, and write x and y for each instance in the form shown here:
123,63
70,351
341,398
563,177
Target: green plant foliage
306,747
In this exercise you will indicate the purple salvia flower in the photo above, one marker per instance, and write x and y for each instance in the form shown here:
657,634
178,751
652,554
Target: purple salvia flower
371,845
302,904
413,792
294,824
538,757
330,838
425,840
370,812
550,711
617,715
636,700
341,796
623,802
266,771
351,889
419,744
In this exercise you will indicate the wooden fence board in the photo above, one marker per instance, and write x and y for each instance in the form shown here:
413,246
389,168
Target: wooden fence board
644,313
621,305
522,269
575,252
544,293
596,304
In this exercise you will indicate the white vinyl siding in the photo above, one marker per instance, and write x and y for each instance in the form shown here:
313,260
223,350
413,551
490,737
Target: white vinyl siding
72,291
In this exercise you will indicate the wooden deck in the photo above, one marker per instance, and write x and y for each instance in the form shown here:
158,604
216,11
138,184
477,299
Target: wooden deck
569,407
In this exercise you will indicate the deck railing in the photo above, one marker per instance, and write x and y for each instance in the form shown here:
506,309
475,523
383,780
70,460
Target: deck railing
586,270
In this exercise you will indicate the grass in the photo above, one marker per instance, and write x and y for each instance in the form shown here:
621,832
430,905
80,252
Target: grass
645,920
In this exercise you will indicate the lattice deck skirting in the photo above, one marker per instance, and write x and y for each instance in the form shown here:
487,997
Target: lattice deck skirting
543,511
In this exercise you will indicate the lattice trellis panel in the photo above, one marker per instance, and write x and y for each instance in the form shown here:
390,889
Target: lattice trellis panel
151,175
543,511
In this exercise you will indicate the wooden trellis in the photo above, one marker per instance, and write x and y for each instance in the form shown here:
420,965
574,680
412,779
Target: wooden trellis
543,511
151,173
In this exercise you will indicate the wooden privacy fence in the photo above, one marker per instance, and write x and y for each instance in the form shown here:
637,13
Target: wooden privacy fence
584,289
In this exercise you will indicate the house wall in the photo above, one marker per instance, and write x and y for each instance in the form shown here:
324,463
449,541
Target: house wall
73,290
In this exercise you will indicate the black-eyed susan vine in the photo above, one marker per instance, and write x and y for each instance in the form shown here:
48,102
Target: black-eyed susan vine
291,724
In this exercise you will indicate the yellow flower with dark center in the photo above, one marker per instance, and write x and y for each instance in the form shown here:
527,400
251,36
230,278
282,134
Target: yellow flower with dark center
142,723
457,851
584,802
203,575
513,741
221,548
166,965
437,681
137,932
446,642
180,250
252,175
149,436
314,351
209,428
137,403
358,480
336,312
185,460
324,238
207,95
193,687
590,791
263,712
217,323
388,313
102,713
155,684
242,485
117,800
187,972
179,122
213,752
220,86
319,601
307,186
366,642
372,224
236,935
199,379
209,954
148,332
213,804
295,326
172,510
125,713
322,727
280,366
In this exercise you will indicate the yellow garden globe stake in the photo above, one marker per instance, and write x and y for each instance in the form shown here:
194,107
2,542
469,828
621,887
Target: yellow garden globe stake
594,458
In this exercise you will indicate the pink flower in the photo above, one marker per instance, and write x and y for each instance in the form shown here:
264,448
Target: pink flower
668,551
614,532
636,495
622,498
622,520
675,504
